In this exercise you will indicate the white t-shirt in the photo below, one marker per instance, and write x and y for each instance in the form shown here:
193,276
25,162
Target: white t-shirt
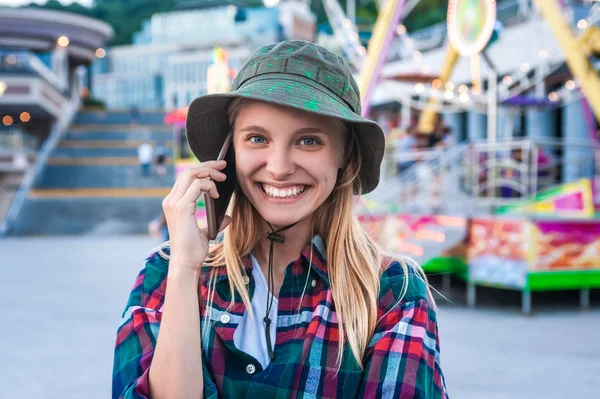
249,336
145,151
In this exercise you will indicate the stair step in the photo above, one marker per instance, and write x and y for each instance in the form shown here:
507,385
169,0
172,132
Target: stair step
98,152
118,117
118,127
110,143
87,215
107,135
101,176
97,161
100,192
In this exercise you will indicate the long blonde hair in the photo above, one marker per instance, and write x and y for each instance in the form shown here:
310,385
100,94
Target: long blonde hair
354,260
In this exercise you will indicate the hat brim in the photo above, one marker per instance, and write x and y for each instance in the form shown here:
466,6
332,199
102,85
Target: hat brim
207,122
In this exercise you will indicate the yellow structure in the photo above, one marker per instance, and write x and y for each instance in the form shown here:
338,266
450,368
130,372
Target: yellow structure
428,117
577,52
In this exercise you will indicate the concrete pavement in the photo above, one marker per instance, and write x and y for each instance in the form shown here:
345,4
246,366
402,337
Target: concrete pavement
62,299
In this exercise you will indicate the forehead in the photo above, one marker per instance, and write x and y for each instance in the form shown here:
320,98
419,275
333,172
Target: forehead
252,112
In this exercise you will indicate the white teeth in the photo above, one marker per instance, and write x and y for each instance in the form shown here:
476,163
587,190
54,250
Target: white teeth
283,193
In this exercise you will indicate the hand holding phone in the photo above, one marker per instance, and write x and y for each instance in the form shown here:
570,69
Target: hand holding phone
216,208
189,243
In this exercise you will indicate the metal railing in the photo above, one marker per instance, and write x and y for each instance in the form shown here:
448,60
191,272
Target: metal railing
24,60
15,140
58,130
476,177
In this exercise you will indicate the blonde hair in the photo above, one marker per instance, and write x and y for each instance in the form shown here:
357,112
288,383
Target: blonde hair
354,260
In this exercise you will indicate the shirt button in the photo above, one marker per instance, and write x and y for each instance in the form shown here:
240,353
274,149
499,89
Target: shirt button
250,369
225,318
313,283
246,280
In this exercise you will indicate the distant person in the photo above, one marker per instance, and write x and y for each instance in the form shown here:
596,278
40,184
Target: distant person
161,159
145,154
294,298
405,144
157,228
134,115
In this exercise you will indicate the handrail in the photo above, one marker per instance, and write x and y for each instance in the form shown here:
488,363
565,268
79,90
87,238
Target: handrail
25,59
58,130
461,177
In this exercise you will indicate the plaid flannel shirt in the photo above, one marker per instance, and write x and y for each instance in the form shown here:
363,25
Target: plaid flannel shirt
402,359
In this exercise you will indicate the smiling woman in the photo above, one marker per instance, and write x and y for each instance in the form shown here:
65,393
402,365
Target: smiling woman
294,299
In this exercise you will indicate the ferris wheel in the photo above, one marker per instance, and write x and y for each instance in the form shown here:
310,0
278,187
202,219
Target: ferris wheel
470,25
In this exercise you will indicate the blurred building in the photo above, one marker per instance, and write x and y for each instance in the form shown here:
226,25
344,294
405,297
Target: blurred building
167,64
41,52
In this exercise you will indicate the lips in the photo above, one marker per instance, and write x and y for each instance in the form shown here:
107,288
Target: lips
283,192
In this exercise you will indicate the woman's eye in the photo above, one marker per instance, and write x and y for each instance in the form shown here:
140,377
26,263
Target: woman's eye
257,139
309,141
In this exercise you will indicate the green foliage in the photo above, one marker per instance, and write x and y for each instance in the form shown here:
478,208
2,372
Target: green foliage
125,16
426,13
90,102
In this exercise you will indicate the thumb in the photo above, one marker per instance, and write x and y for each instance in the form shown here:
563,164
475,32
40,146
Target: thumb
226,222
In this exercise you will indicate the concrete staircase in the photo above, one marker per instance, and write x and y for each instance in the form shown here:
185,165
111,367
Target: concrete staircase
92,183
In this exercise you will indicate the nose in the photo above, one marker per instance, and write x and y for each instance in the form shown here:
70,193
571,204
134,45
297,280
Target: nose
280,163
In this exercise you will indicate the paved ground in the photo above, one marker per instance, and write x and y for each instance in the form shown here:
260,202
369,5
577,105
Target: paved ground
62,298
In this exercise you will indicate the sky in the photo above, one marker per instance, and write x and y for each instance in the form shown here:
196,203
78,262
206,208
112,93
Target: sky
16,3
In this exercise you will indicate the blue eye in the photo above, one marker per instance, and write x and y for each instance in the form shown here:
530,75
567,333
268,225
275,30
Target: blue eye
257,139
309,141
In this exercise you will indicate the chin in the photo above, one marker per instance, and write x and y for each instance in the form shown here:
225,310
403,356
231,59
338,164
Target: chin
282,218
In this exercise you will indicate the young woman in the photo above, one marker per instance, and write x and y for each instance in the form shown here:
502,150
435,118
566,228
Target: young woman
293,300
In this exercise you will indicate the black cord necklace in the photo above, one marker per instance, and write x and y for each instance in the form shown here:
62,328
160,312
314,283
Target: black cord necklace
274,237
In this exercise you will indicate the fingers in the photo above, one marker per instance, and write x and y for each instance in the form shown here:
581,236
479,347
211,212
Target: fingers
205,170
198,187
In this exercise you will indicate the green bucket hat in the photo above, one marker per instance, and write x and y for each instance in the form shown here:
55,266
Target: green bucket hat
295,74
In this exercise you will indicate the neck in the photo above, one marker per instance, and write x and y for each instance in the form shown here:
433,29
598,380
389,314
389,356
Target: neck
296,238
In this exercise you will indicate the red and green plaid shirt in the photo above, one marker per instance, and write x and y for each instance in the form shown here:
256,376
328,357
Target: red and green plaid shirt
402,359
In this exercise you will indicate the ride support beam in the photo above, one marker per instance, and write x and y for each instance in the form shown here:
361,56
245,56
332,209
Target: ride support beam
428,116
379,44
576,55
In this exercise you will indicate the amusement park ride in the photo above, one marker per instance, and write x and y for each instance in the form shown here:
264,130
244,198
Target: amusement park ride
548,239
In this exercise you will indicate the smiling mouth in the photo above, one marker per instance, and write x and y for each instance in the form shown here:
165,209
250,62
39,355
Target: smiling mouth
287,192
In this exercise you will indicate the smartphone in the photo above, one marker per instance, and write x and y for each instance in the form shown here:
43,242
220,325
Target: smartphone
216,208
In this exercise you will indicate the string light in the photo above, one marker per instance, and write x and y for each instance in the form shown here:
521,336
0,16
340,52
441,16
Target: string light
63,41
417,55
507,80
449,86
464,97
436,84
401,30
553,96
419,88
25,117
570,84
543,53
582,24
7,120
462,89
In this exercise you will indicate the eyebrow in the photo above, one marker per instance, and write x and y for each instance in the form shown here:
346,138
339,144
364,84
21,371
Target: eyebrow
304,130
